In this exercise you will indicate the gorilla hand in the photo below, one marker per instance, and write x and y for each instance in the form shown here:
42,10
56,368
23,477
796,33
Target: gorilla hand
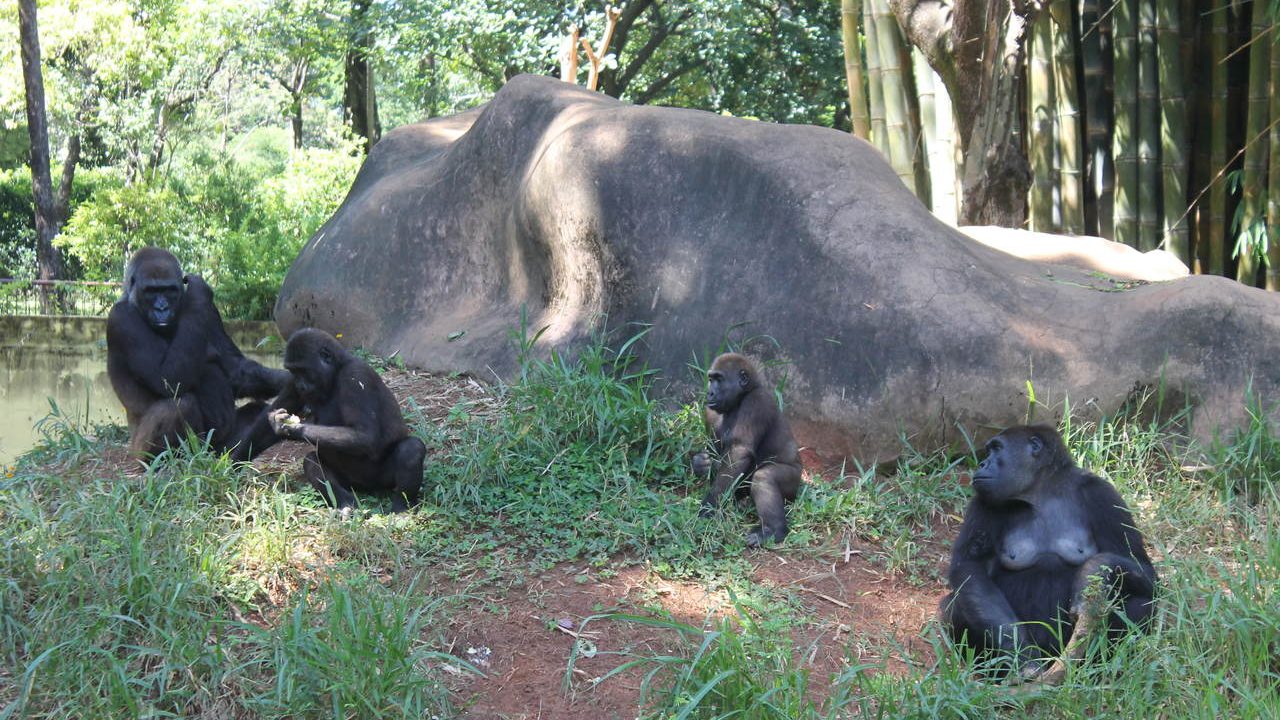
701,465
285,424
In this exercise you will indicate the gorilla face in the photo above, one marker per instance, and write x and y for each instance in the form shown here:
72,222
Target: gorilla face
155,285
724,391
160,303
1010,468
313,362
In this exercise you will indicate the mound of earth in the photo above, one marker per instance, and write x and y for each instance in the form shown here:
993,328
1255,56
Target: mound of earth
798,242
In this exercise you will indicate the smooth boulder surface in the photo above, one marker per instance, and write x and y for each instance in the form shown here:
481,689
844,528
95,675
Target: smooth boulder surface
798,241
1081,251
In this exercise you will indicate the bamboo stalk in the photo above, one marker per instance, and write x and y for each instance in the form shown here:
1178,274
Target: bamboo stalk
1067,127
850,11
911,96
1040,100
938,162
1173,132
896,111
1149,221
1253,218
1218,98
1273,171
875,84
942,155
1124,145
1096,126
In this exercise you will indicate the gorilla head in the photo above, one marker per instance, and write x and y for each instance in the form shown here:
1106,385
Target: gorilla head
153,284
730,378
313,358
1017,460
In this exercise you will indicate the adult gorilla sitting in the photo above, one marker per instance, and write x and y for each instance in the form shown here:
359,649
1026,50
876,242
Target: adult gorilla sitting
171,362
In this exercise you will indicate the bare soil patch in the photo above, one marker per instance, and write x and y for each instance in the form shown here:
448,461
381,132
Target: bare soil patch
522,637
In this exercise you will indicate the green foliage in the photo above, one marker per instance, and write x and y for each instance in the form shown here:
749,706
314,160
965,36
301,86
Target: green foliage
122,597
1209,653
239,223
583,463
743,668
354,647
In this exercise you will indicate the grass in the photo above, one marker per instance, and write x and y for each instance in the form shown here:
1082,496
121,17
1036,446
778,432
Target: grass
201,588
1213,650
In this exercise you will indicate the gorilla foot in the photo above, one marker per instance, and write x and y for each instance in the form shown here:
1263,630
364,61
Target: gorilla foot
761,536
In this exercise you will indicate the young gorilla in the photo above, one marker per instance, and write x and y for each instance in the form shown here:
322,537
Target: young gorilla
1036,531
753,447
349,416
171,362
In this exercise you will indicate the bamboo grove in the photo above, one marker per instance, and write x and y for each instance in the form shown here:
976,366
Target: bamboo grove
1155,123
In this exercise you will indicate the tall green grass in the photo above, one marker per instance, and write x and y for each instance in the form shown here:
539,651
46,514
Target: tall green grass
1211,518
125,596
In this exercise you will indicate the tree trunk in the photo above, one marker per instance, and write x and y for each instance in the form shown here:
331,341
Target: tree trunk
1253,219
48,257
1173,133
360,102
850,11
977,48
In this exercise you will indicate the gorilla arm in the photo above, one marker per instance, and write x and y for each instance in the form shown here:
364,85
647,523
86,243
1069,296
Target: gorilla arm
1120,547
141,361
359,432
977,601
248,378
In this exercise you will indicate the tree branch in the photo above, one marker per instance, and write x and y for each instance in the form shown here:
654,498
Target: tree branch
662,83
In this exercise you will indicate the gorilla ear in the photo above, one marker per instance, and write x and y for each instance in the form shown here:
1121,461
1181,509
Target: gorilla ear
743,378
326,354
1036,445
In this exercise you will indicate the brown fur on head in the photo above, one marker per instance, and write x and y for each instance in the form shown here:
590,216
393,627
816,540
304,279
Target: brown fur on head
1054,453
730,378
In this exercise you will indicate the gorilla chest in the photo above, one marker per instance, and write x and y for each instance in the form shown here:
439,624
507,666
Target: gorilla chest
1056,528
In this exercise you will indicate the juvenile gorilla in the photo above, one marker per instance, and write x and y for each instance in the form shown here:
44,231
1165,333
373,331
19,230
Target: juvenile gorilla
351,418
1037,529
754,448
171,362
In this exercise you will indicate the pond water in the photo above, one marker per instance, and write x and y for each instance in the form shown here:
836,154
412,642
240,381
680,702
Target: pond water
65,361
32,376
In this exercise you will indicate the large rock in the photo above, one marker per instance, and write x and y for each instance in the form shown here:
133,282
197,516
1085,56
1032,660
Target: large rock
580,208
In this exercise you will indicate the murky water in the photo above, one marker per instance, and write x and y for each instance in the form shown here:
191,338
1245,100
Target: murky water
76,379
68,365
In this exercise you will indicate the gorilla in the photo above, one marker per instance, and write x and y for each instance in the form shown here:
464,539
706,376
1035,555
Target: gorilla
171,362
754,449
351,418
1037,530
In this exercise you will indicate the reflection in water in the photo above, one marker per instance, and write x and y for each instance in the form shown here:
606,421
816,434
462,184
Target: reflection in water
75,378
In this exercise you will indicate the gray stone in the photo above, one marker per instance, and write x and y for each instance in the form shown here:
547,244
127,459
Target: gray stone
579,208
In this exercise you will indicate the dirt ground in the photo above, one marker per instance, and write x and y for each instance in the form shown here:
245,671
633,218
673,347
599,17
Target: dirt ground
854,613
523,637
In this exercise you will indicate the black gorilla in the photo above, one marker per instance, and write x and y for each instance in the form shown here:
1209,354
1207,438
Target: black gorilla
753,447
1035,532
171,361
349,415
